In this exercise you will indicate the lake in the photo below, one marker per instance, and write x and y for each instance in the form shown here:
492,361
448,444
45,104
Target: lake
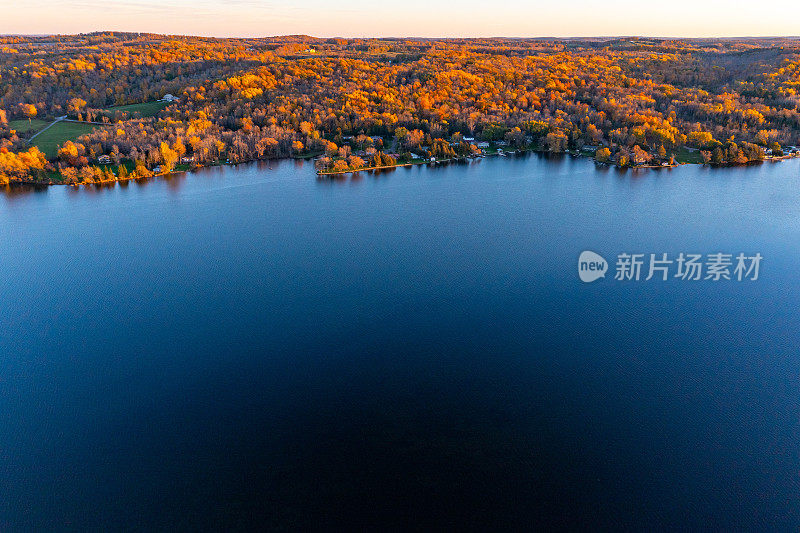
253,346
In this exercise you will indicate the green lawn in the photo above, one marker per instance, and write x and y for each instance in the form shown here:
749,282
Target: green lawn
684,155
25,129
145,109
49,141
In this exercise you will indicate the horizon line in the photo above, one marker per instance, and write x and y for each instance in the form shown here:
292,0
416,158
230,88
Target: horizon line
540,37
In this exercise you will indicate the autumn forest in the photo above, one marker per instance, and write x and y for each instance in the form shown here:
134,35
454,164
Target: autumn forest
107,106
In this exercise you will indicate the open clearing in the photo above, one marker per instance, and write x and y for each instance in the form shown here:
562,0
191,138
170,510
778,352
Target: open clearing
145,109
25,129
49,141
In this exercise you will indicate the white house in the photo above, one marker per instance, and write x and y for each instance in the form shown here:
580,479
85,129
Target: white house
170,98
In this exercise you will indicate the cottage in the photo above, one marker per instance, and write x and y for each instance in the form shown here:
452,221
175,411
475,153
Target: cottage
469,139
483,144
104,159
170,98
187,160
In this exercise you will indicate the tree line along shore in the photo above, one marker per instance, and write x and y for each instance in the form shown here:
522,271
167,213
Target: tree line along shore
110,106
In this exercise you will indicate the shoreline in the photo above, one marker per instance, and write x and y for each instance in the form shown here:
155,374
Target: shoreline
385,167
505,154
409,164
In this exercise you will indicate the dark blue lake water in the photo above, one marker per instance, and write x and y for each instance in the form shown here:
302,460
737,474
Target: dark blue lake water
254,346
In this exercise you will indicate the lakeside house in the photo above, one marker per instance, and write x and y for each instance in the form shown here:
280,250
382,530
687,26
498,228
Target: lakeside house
483,145
187,160
104,159
170,98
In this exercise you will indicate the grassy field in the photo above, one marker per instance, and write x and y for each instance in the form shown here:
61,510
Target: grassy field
684,155
24,129
49,141
145,109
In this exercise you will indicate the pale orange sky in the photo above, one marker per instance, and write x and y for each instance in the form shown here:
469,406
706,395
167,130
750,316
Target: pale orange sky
224,18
